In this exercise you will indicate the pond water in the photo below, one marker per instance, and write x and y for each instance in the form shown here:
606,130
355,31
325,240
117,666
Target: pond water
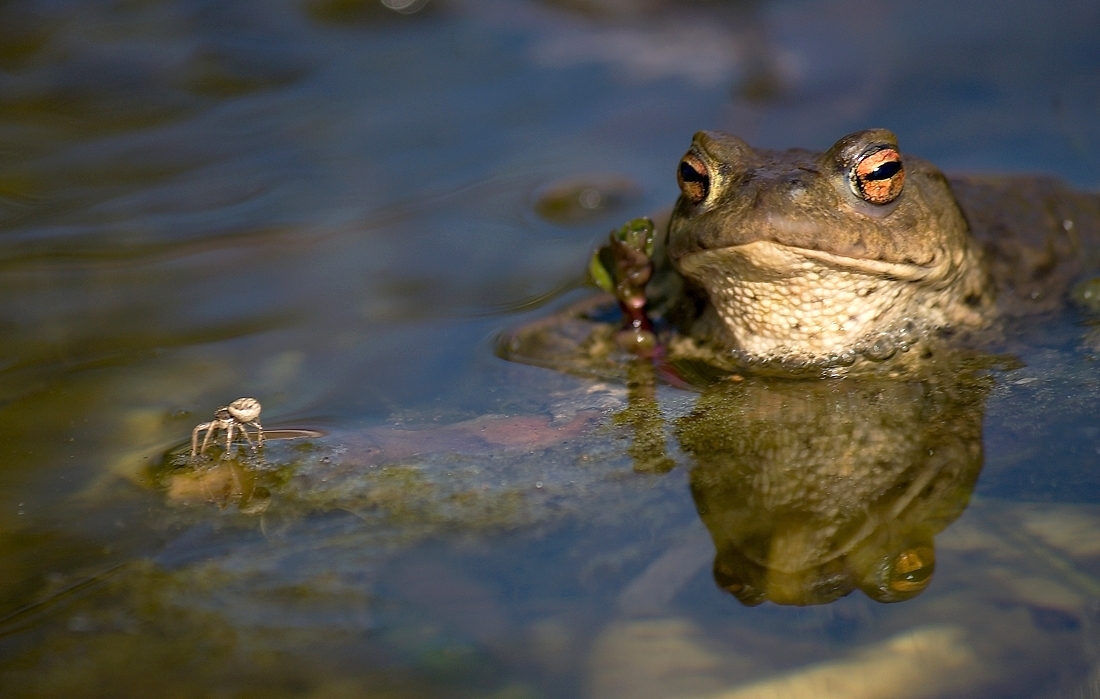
337,206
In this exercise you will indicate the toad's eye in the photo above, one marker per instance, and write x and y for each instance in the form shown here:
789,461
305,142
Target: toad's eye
878,175
693,178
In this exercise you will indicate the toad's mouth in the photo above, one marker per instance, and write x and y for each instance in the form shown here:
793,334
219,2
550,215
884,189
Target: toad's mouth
784,260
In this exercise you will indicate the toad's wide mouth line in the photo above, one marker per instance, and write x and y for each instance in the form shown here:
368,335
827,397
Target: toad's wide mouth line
787,259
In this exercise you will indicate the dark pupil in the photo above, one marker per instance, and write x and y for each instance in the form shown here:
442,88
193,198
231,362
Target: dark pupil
690,174
885,171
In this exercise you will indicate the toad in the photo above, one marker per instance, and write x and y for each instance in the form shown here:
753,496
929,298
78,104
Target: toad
861,251
828,260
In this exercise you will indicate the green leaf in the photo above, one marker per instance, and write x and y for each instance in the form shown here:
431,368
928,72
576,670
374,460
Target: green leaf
599,274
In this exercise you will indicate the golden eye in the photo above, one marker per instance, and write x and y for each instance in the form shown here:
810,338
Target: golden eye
878,176
693,178
912,570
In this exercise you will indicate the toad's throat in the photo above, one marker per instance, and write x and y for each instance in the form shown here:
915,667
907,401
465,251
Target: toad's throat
775,300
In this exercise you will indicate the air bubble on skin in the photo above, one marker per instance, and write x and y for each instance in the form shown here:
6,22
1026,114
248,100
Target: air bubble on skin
908,333
881,349
845,358
794,362
746,359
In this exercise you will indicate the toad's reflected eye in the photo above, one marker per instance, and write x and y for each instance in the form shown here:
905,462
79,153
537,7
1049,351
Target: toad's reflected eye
693,178
878,176
903,576
912,570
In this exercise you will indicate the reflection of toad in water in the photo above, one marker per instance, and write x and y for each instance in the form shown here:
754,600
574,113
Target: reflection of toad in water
811,489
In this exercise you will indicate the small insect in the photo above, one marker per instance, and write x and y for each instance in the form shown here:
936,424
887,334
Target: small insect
235,416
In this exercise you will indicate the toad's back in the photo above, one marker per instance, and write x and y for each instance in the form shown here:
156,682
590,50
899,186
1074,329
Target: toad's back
1038,237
